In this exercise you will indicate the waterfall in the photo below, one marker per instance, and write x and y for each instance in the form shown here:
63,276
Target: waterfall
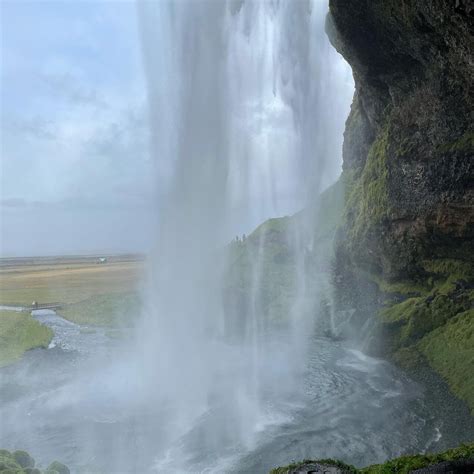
247,108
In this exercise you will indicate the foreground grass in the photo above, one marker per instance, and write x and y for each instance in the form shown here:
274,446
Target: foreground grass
20,332
401,465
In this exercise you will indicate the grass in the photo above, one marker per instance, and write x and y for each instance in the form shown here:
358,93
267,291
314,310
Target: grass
437,326
111,310
66,283
268,248
450,351
20,332
91,294
401,465
97,295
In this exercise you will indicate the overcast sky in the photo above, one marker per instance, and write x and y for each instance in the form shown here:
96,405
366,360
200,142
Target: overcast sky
75,170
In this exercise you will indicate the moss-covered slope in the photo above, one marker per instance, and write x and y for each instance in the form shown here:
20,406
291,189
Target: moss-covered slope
454,460
264,270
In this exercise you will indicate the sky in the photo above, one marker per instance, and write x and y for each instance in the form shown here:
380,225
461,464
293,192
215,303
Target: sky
75,166
76,171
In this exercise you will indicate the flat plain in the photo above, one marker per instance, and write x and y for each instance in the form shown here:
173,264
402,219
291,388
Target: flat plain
90,294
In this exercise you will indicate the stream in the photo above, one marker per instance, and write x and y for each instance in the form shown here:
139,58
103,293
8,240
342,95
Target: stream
74,403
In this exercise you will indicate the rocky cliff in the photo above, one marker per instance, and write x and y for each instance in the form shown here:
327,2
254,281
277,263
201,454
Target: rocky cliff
407,238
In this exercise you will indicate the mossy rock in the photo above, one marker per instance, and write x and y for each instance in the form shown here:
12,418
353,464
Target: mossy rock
23,459
401,465
450,351
321,465
8,462
58,467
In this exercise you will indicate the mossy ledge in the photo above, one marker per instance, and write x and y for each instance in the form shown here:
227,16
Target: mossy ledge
450,459
20,462
432,323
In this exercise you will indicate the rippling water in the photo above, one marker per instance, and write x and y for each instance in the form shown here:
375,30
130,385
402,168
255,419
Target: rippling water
73,403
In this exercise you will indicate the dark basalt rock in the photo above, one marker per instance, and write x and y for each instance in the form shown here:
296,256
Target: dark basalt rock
318,468
412,65
451,467
408,168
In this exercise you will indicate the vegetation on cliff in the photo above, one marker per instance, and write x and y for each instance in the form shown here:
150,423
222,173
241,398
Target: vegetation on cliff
401,465
262,269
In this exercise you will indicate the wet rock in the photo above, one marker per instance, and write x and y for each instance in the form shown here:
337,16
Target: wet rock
408,168
318,468
31,470
409,139
58,467
23,459
454,467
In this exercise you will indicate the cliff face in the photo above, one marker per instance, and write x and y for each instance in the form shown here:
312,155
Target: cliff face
408,230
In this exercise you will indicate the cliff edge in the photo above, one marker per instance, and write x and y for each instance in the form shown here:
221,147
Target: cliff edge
407,238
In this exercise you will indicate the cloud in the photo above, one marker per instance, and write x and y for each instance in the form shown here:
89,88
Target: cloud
35,127
13,202
74,126
68,87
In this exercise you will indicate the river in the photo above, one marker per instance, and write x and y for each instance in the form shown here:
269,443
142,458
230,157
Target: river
74,403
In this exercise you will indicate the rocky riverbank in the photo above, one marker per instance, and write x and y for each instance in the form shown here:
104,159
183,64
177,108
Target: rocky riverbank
454,460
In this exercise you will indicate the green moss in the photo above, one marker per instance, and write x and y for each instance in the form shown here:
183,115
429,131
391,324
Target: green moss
408,358
20,332
400,313
367,202
24,459
416,317
447,272
450,351
327,462
401,465
262,272
8,462
58,467
462,144
20,462
405,464
437,326
403,287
